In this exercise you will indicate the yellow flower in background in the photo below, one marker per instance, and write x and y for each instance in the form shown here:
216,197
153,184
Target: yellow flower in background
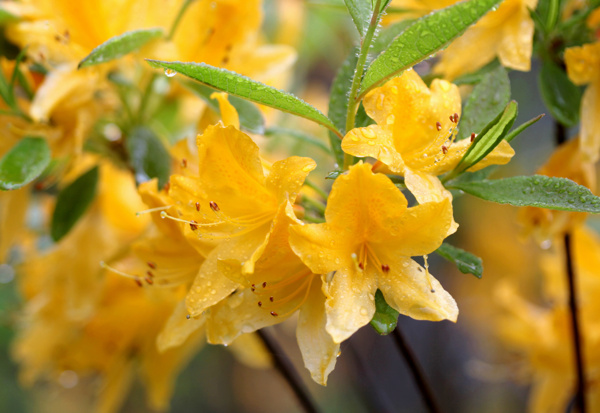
232,203
366,244
506,33
414,134
582,67
279,286
567,161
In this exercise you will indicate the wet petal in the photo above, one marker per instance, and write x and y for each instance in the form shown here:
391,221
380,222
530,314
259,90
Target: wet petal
590,122
229,114
375,142
178,328
287,177
406,288
583,62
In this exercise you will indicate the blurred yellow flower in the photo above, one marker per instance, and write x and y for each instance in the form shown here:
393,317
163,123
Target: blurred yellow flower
582,67
366,244
415,133
506,33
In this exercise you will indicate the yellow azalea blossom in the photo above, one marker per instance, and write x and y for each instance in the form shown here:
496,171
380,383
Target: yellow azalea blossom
506,33
414,134
232,203
279,286
582,67
570,162
366,244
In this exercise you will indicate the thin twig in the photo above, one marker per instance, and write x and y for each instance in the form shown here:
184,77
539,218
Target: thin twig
417,372
287,370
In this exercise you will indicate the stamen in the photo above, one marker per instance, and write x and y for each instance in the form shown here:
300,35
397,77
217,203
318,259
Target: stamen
438,126
271,298
444,149
264,284
151,265
473,136
122,274
426,265
385,268
214,206
146,211
193,225
149,280
184,163
198,206
150,274
274,314
167,186
260,303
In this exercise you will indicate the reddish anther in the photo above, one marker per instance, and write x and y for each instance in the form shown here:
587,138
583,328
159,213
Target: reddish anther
193,225
444,149
385,268
438,125
151,265
274,314
198,206
214,206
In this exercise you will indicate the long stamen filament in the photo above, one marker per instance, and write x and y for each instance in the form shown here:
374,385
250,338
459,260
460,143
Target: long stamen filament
118,272
147,211
296,307
287,281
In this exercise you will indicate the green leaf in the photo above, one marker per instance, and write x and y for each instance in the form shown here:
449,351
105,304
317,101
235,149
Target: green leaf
476,77
7,17
387,35
119,46
488,139
251,118
148,156
361,12
299,136
72,202
244,87
487,100
362,120
466,262
23,163
560,95
426,36
338,102
537,191
516,131
385,318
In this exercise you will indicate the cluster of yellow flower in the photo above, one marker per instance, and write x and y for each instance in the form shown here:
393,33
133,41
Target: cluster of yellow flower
223,243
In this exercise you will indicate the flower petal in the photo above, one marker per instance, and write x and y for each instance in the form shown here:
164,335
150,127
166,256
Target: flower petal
178,328
406,288
582,62
350,302
319,351
375,142
287,177
229,114
590,121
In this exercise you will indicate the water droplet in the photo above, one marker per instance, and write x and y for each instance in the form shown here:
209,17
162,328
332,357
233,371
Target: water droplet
363,311
307,168
390,120
170,72
368,133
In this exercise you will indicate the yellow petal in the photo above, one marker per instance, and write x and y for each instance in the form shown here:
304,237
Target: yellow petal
407,289
178,328
287,177
13,206
425,187
319,351
319,245
419,231
501,155
350,303
582,62
375,142
229,114
551,392
250,350
516,45
115,386
590,122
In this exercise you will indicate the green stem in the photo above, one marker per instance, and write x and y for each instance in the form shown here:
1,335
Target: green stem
145,98
316,188
177,20
360,68
319,207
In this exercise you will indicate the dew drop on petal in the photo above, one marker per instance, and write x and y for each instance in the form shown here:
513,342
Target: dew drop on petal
170,72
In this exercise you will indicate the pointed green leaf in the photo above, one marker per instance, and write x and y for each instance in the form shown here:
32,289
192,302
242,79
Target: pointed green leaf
23,163
119,46
476,77
466,262
487,100
338,102
72,202
385,318
361,12
387,34
251,118
426,36
148,156
537,191
560,95
488,139
244,87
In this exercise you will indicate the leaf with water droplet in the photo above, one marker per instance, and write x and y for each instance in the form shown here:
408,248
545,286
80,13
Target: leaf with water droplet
148,156
119,46
72,202
466,262
23,163
246,88
549,192
385,318
424,38
487,100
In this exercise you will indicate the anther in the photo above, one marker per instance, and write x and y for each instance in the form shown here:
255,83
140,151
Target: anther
438,126
385,268
150,274
472,136
444,149
149,280
274,314
151,265
167,186
271,299
361,266
264,284
138,282
455,118
214,206
198,206
193,225
184,163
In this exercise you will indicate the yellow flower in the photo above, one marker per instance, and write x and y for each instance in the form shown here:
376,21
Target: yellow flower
414,134
279,286
582,67
506,33
366,244
570,162
231,203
